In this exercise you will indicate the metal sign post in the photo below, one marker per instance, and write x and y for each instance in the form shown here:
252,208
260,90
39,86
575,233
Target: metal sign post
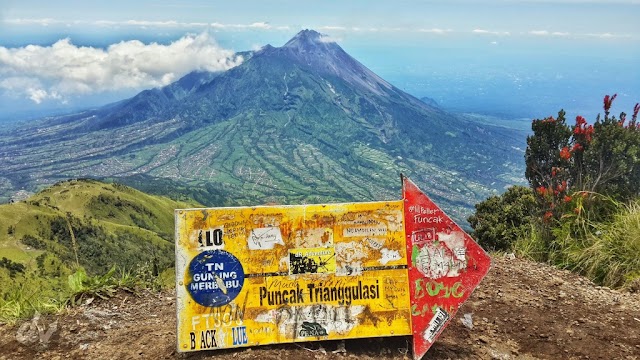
274,274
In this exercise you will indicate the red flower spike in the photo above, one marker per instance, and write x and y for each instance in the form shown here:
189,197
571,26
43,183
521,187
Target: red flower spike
607,102
548,215
567,198
564,153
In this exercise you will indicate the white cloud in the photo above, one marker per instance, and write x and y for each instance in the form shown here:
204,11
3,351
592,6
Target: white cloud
63,69
39,95
539,32
41,22
329,39
603,36
435,31
30,88
608,35
489,32
261,25
169,23
548,33
258,25
255,25
331,27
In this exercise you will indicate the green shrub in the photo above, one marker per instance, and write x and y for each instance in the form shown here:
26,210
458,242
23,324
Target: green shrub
501,220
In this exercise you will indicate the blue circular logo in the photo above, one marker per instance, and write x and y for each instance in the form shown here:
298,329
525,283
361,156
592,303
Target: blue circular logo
215,278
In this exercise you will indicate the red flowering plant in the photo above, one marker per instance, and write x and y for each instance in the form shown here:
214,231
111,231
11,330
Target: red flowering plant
548,159
602,157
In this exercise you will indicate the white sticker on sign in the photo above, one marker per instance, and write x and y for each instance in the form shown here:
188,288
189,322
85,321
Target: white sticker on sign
265,238
436,324
365,231
389,255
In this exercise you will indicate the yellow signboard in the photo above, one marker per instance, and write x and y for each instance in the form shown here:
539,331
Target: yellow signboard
262,275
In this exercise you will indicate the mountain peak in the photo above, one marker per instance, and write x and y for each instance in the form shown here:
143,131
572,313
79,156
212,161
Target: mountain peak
306,39
318,52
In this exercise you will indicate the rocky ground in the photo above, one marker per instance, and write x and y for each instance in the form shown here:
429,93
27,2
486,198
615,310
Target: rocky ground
522,310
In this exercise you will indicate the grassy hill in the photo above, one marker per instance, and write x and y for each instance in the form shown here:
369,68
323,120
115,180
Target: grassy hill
88,223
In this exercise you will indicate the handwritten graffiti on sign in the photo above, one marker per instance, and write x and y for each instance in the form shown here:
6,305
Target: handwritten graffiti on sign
261,275
445,266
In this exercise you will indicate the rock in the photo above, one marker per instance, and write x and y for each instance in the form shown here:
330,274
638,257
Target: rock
467,321
556,281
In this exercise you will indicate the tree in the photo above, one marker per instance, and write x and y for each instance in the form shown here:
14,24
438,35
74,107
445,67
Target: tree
547,157
563,161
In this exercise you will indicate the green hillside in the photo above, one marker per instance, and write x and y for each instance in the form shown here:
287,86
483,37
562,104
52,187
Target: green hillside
95,224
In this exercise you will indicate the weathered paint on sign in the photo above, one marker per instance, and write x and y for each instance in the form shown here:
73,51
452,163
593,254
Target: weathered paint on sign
262,275
445,266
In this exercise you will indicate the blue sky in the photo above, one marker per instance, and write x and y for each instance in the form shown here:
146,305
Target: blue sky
506,57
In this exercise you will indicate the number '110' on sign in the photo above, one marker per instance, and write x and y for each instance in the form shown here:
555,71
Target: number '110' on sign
211,238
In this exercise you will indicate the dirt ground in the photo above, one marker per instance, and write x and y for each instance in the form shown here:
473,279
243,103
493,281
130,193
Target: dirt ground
522,310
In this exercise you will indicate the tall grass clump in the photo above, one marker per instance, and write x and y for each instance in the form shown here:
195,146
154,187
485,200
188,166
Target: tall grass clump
530,245
24,295
609,253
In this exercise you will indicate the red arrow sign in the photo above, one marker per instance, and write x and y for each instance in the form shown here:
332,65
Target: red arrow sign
445,266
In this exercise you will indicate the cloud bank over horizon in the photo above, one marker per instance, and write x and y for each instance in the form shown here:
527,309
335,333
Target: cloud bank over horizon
63,70
266,26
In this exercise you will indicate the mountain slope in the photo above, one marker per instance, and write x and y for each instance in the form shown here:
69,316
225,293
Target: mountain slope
302,122
96,223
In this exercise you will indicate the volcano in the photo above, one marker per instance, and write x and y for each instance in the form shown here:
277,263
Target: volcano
304,122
